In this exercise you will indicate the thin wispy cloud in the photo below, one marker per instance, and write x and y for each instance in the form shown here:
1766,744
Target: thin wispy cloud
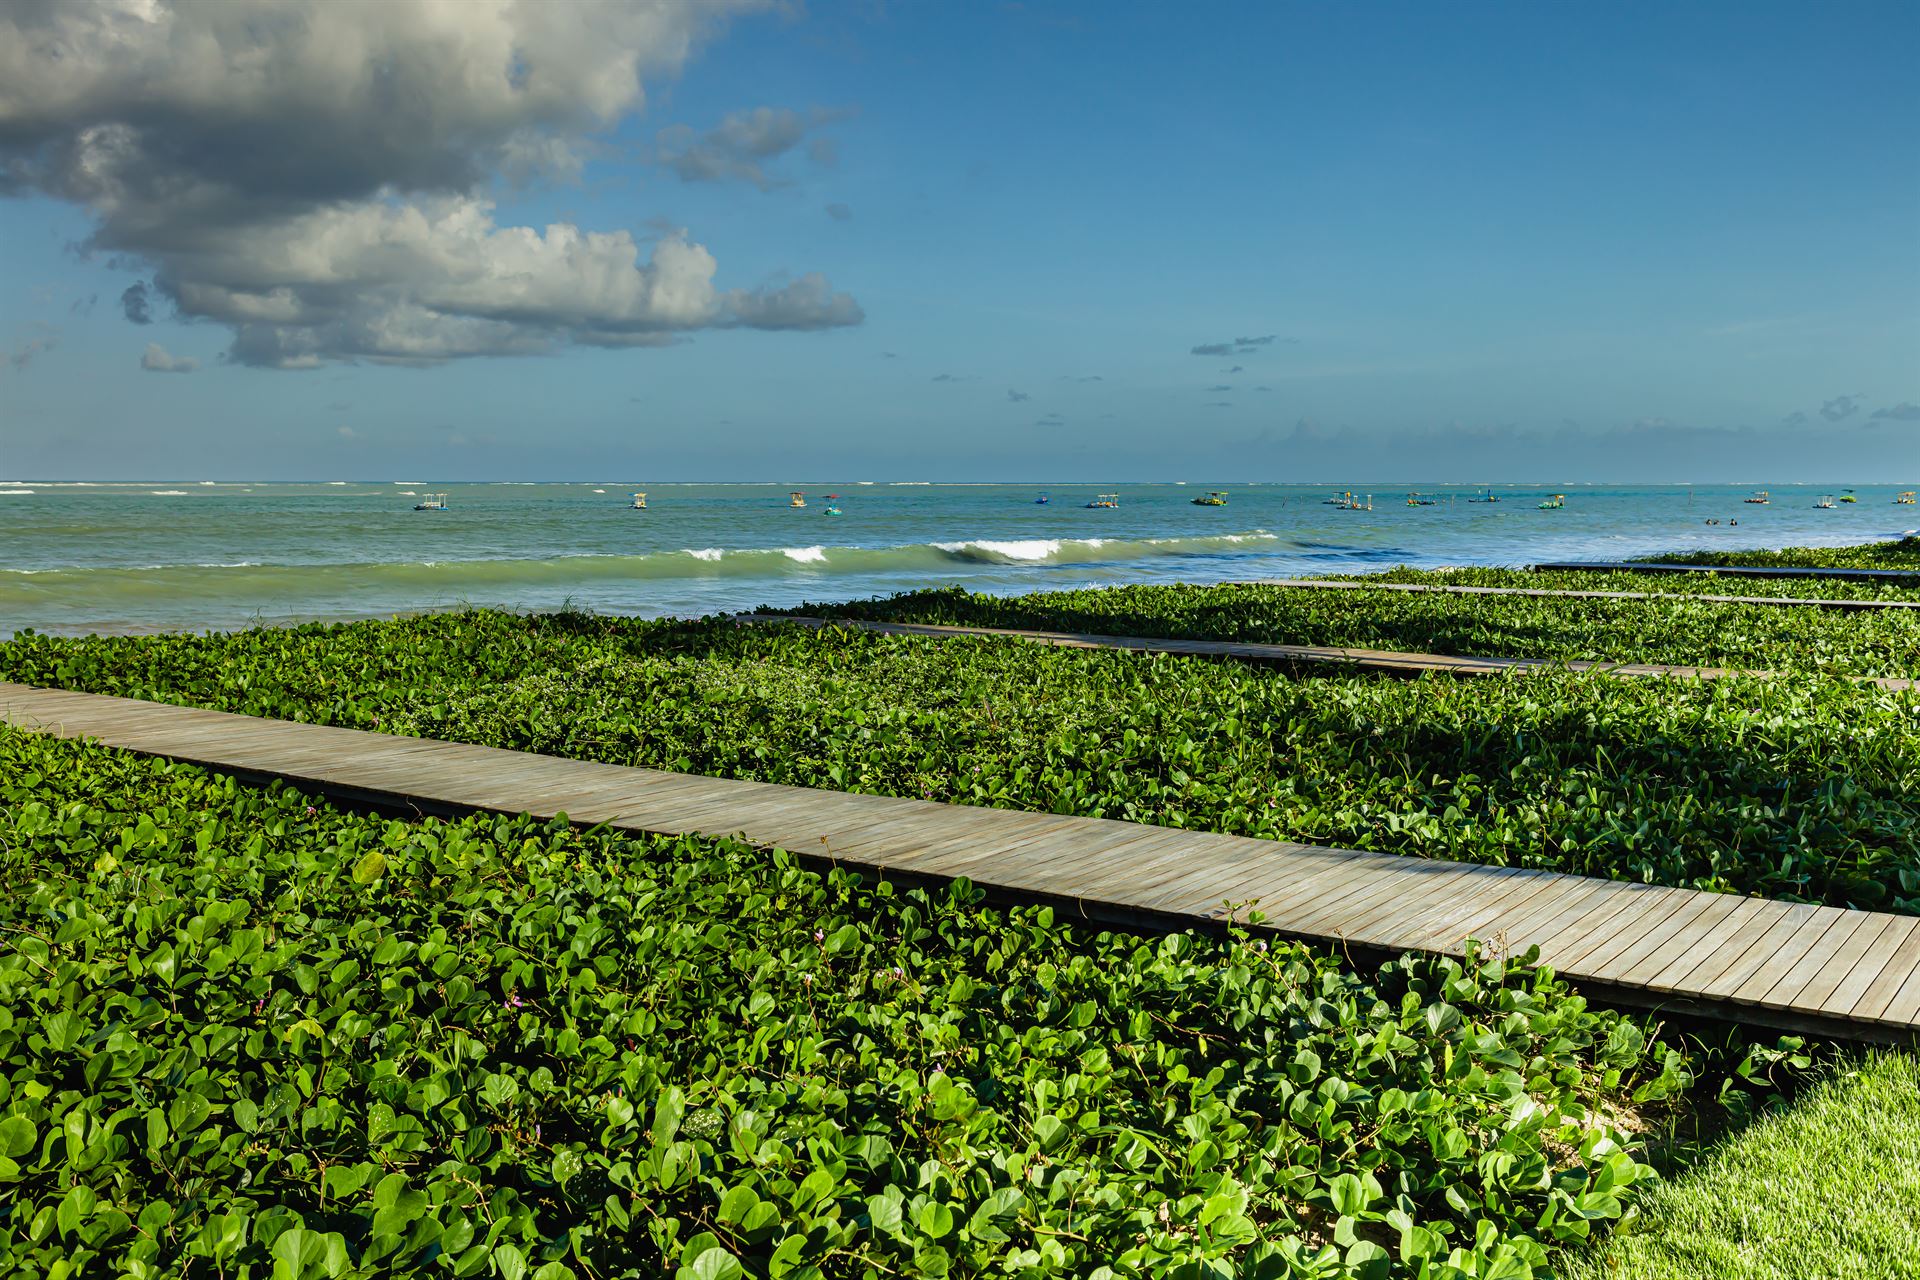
1238,346
744,144
1840,408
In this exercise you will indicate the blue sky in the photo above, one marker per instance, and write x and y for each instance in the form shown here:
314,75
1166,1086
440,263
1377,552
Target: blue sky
1498,242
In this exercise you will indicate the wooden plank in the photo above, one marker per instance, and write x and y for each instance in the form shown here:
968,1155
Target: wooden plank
1876,1001
1817,958
1387,660
1799,966
1892,577
1551,593
1730,939
1851,988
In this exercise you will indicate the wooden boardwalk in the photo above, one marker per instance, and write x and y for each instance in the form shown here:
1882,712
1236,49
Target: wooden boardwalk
1389,661
1832,972
1886,577
1551,593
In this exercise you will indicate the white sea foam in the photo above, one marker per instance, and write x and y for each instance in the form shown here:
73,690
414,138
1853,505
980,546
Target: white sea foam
986,548
708,553
805,555
16,493
168,493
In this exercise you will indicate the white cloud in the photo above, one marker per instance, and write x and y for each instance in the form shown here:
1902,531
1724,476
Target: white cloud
313,173
158,360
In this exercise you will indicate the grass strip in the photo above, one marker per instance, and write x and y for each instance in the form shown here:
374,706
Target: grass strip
1829,1187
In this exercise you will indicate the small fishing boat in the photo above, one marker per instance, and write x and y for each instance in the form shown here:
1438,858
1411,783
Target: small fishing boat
1486,495
831,511
1825,504
639,501
1104,502
1760,498
1848,497
1042,500
432,502
1554,502
796,499
1214,498
1905,499
1420,500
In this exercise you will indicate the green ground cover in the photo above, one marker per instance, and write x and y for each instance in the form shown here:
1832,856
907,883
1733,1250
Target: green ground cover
1794,788
1679,630
1901,553
1675,584
1829,1187
245,1034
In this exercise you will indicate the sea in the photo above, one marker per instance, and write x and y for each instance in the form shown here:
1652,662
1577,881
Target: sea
199,555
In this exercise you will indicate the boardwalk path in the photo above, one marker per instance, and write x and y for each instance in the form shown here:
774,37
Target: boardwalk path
1384,660
1848,974
1548,593
1885,577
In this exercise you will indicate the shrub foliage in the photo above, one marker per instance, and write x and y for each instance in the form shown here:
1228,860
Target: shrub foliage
244,1034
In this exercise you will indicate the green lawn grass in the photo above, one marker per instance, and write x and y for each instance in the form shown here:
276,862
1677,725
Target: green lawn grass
1828,1188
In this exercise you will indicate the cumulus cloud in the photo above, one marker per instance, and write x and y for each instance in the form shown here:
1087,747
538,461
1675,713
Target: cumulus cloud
1213,349
158,360
1902,412
314,176
1840,408
1017,396
839,212
1795,419
1220,387
741,146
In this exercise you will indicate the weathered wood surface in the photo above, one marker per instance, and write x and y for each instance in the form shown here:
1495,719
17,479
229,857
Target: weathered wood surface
1848,974
1553,593
1890,577
1390,661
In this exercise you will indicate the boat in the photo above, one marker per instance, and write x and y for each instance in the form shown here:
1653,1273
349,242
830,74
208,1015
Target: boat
1214,498
1486,495
432,502
639,501
1420,500
1042,500
1848,497
1825,504
796,499
1554,502
831,511
1905,499
1760,498
1105,502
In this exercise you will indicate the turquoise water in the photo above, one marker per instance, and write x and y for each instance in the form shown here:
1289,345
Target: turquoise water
158,556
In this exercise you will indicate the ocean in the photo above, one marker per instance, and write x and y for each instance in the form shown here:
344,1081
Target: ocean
198,555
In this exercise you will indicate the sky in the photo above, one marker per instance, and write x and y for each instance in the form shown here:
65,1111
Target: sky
721,239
